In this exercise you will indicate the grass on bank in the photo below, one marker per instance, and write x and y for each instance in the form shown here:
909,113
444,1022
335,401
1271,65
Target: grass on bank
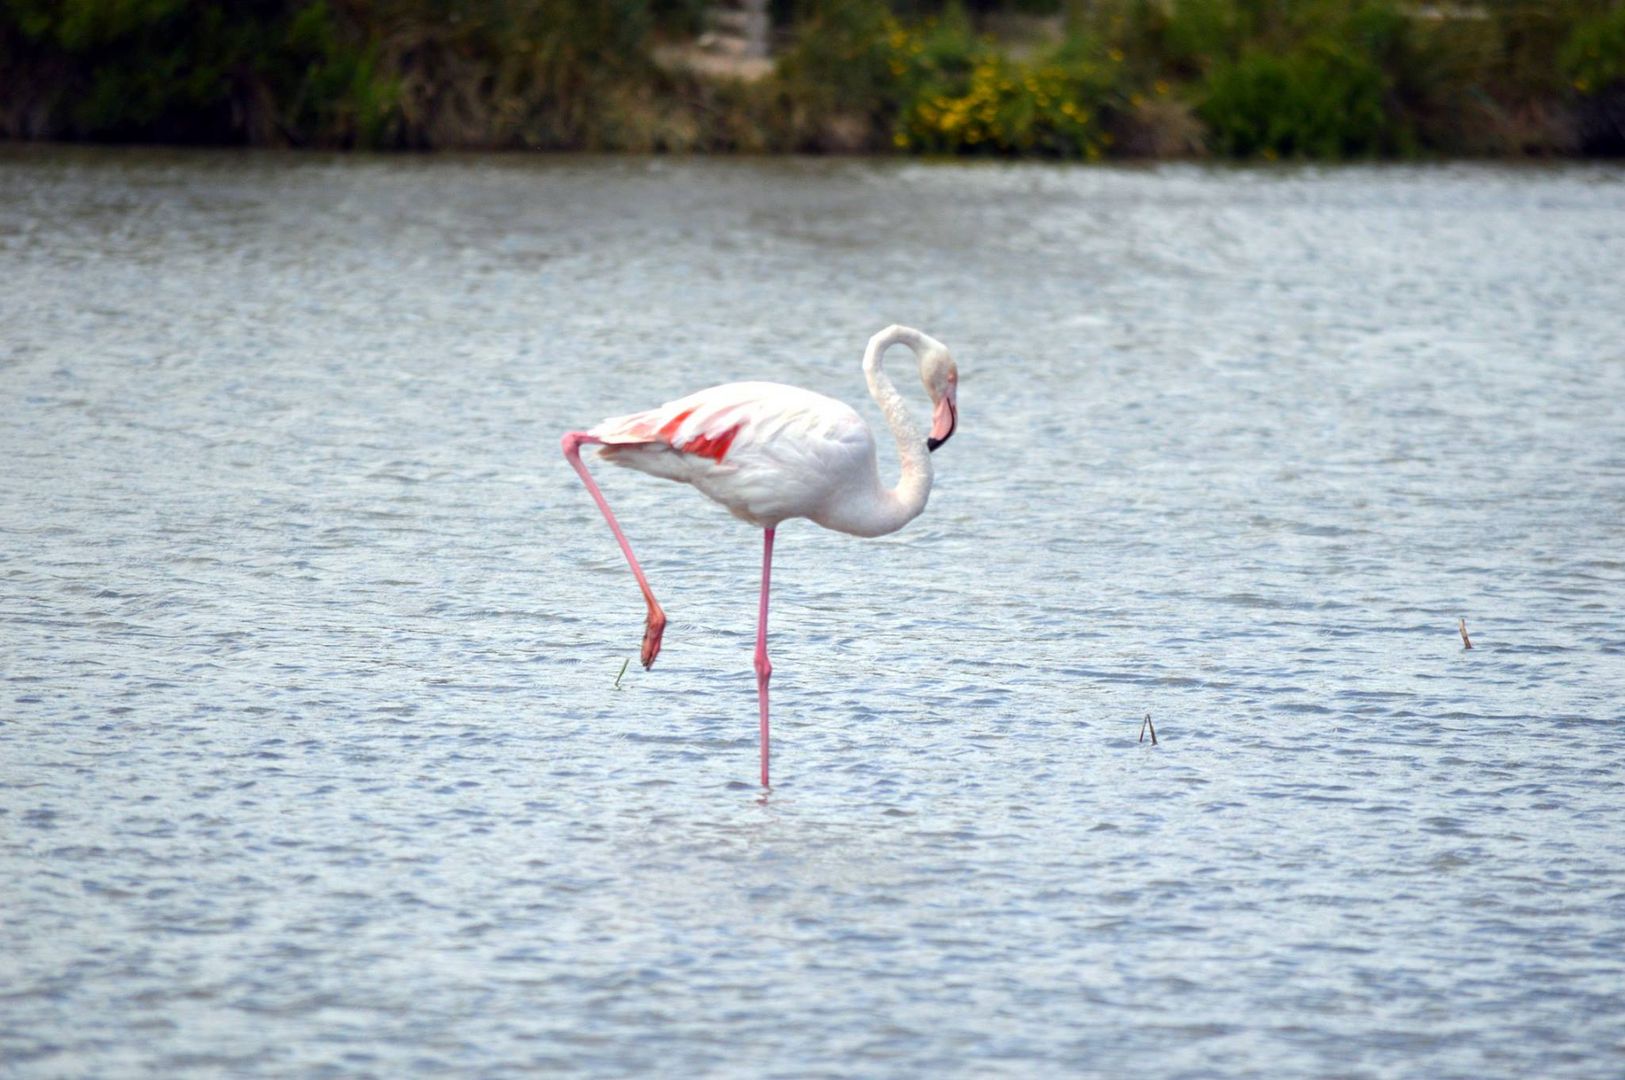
1316,79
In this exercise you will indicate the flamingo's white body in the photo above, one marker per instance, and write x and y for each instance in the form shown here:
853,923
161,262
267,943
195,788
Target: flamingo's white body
770,452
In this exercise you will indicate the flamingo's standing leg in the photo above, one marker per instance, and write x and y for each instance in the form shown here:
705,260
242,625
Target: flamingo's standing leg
655,625
764,667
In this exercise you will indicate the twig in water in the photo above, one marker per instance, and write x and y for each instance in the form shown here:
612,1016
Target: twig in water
625,662
1148,724
1466,642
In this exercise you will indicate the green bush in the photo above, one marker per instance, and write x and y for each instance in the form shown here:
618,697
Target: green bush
556,73
1267,78
861,78
1593,56
839,79
1196,34
342,95
1347,89
172,70
1008,108
970,98
1593,60
1321,100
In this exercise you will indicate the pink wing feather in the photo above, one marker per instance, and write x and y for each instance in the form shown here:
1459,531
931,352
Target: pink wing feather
695,424
764,450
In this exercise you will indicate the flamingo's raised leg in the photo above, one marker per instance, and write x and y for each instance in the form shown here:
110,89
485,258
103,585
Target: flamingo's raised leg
655,625
764,667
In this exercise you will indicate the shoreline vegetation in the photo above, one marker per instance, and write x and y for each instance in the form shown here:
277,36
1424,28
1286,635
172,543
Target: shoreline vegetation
1068,79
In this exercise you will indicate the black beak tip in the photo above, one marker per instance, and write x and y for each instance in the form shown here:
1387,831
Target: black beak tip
932,444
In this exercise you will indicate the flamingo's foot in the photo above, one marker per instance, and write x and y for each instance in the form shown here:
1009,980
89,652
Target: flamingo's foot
652,631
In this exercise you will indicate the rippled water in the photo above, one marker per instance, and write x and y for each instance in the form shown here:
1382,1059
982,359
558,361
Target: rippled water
312,755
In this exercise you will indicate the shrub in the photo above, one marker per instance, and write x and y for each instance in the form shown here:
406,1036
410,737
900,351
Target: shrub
172,70
1196,34
391,73
840,72
1325,81
1593,56
1003,107
1593,60
1320,100
1295,78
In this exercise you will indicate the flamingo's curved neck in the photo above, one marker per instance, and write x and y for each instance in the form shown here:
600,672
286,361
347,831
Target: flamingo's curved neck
891,509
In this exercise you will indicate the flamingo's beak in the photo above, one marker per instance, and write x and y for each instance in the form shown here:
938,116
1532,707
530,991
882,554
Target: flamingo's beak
944,419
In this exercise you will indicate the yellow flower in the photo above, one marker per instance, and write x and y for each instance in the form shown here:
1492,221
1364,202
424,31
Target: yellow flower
1161,86
1116,54
900,141
1582,85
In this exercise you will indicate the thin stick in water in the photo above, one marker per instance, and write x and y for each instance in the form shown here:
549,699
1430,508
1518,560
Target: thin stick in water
1153,728
1466,642
624,664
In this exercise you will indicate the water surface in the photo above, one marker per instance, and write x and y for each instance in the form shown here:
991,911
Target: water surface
312,757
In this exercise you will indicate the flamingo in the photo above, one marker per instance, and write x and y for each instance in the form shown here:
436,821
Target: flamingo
769,452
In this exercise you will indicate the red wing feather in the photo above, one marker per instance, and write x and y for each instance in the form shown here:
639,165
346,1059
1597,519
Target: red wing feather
669,429
652,427
714,447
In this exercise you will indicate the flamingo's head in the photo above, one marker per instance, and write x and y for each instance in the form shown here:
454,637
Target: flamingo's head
941,380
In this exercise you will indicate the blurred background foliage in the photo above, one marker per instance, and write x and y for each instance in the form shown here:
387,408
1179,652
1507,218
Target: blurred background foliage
1317,79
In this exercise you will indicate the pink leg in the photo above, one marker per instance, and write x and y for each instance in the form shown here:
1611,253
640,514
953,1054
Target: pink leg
655,625
764,667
